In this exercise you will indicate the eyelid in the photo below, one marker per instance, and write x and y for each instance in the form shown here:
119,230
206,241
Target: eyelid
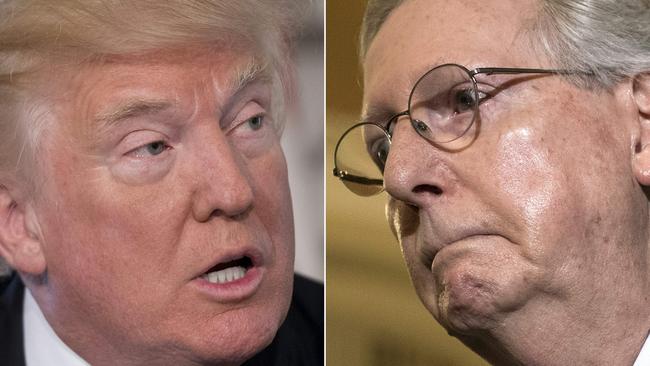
258,92
142,148
249,110
139,139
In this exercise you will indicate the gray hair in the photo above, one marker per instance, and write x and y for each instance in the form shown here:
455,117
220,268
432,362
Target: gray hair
608,38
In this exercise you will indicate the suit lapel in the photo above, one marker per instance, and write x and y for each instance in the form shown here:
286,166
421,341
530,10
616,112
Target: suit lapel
11,321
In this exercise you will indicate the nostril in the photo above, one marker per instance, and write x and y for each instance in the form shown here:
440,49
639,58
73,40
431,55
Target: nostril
427,188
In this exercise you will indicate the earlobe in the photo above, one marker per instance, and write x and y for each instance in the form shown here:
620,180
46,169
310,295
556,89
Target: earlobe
641,97
641,166
19,246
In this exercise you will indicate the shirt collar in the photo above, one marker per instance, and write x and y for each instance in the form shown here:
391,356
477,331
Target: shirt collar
644,356
42,345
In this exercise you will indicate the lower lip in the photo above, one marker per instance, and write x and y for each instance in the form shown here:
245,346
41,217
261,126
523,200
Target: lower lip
233,291
475,243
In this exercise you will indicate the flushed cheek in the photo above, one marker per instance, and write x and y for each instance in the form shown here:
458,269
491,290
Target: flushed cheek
273,199
113,231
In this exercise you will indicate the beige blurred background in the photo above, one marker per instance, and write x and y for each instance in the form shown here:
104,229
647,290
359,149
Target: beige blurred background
373,314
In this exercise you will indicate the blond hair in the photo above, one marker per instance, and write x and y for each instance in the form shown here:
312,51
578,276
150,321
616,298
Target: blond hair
39,33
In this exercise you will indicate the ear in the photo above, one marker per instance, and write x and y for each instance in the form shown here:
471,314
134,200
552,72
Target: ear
641,98
20,245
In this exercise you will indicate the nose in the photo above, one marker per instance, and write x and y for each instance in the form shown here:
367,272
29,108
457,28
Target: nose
416,172
222,182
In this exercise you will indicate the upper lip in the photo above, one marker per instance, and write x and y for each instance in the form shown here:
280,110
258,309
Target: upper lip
250,251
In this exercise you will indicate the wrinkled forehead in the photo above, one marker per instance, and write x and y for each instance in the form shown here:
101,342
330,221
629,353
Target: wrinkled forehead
97,94
420,34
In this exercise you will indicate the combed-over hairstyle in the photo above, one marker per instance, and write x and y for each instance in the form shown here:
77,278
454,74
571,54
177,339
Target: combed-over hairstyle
608,38
40,33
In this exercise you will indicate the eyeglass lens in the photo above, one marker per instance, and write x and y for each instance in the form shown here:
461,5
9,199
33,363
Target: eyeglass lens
443,103
442,107
360,158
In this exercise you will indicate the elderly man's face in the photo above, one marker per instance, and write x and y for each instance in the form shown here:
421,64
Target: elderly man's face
157,170
540,213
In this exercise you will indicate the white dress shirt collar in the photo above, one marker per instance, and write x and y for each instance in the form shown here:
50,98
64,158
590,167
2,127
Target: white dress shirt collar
643,359
42,346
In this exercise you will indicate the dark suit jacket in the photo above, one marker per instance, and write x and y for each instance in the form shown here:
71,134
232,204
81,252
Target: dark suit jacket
299,340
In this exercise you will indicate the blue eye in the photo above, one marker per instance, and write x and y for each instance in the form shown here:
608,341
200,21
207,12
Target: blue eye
256,122
156,147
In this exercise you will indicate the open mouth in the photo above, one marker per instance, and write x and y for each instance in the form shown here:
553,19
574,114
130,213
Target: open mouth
228,271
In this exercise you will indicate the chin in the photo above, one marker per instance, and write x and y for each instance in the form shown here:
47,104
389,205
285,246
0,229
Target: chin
466,303
474,293
229,338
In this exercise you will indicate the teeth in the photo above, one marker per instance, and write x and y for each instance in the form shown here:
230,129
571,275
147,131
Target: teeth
225,275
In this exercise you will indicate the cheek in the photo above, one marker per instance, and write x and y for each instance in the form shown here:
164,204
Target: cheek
555,177
105,227
541,179
273,203
526,176
405,223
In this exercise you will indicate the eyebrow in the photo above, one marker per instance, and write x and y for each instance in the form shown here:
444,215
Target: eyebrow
132,109
253,72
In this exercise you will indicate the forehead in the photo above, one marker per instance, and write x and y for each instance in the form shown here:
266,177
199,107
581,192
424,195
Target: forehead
100,92
420,34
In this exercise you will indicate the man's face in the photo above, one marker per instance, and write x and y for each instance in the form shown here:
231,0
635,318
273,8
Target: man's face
155,171
540,214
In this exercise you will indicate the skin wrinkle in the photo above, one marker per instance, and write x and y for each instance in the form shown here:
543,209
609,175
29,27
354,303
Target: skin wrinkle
528,239
180,205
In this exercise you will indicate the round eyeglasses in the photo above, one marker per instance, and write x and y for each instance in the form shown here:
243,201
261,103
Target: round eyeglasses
443,107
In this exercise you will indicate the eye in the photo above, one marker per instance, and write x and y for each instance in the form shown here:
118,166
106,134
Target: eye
256,122
252,127
465,99
378,150
252,131
250,117
381,153
151,149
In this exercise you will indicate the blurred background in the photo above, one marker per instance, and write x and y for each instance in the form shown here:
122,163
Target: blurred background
373,314
303,146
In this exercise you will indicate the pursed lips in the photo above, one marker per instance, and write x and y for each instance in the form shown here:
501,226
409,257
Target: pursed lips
429,248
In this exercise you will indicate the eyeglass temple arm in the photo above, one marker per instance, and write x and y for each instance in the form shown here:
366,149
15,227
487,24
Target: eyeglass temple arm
357,179
512,70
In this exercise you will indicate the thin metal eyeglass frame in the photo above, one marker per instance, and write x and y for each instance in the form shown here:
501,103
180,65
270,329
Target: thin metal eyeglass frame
343,175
